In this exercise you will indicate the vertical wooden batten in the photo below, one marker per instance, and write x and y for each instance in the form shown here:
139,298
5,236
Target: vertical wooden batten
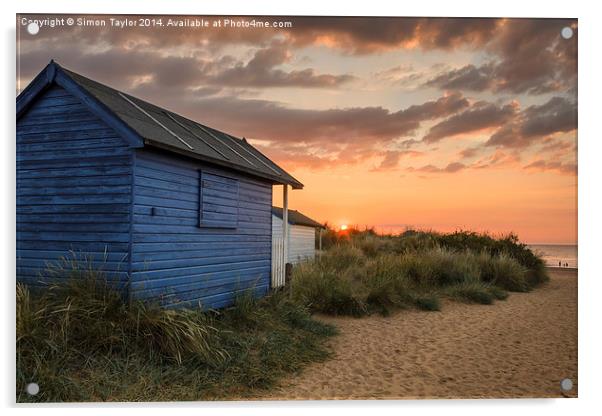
285,226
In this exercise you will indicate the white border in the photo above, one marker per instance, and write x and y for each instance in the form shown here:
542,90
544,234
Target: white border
590,207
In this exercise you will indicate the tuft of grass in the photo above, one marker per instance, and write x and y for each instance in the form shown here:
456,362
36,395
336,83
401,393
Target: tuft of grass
498,293
475,292
428,303
503,271
318,287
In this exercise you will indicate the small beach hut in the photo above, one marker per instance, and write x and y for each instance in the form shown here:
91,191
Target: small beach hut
301,236
171,209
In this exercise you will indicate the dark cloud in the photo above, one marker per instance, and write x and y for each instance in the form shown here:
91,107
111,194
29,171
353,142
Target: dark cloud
408,143
355,35
268,120
560,167
298,157
191,72
450,168
557,147
325,137
498,158
120,67
524,55
479,116
469,77
527,56
469,152
361,35
391,159
535,58
558,115
260,72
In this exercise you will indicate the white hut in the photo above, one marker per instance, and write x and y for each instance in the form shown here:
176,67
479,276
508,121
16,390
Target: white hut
301,235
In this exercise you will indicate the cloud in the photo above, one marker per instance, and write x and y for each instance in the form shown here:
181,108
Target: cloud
526,56
557,147
535,58
560,167
269,120
317,138
469,77
260,72
469,152
498,159
450,168
479,116
523,55
300,157
365,35
408,143
392,157
185,72
352,35
217,77
557,115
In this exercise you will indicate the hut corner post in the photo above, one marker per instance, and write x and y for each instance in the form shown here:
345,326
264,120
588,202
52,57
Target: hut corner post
320,242
285,229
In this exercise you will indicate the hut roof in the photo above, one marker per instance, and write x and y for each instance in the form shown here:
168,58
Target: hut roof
297,218
158,127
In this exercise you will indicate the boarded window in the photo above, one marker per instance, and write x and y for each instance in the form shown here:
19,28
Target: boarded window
218,201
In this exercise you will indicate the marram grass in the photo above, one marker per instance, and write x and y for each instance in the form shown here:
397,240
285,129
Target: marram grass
364,273
79,341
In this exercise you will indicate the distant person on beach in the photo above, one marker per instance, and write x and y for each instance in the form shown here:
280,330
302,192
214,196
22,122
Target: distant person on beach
559,264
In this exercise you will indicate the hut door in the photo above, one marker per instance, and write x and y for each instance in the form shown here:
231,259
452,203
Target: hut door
278,266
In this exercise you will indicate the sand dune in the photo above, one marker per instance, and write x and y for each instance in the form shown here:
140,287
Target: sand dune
521,347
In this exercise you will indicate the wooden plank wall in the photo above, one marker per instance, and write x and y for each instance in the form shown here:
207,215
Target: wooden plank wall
302,240
74,179
181,263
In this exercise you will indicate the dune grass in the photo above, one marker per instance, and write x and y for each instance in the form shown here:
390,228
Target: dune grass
80,341
363,273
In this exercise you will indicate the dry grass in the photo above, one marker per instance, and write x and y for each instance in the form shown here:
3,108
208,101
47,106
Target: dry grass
81,342
365,273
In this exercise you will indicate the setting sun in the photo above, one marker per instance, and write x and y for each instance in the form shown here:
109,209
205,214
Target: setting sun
343,227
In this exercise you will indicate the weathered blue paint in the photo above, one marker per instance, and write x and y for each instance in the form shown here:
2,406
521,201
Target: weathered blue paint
53,76
182,260
143,215
74,188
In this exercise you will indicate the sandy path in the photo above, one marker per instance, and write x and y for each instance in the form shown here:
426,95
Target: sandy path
521,347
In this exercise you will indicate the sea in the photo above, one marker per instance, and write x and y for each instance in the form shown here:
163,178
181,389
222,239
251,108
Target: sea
553,254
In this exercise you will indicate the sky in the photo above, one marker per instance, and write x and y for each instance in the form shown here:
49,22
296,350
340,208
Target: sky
393,123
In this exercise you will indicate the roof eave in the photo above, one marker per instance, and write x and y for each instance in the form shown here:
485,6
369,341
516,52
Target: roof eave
273,178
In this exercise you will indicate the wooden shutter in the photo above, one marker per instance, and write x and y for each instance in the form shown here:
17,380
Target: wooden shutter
218,201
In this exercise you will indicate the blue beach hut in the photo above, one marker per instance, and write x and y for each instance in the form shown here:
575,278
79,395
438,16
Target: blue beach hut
171,209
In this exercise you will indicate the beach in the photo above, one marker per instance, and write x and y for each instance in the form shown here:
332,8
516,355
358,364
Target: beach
518,348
